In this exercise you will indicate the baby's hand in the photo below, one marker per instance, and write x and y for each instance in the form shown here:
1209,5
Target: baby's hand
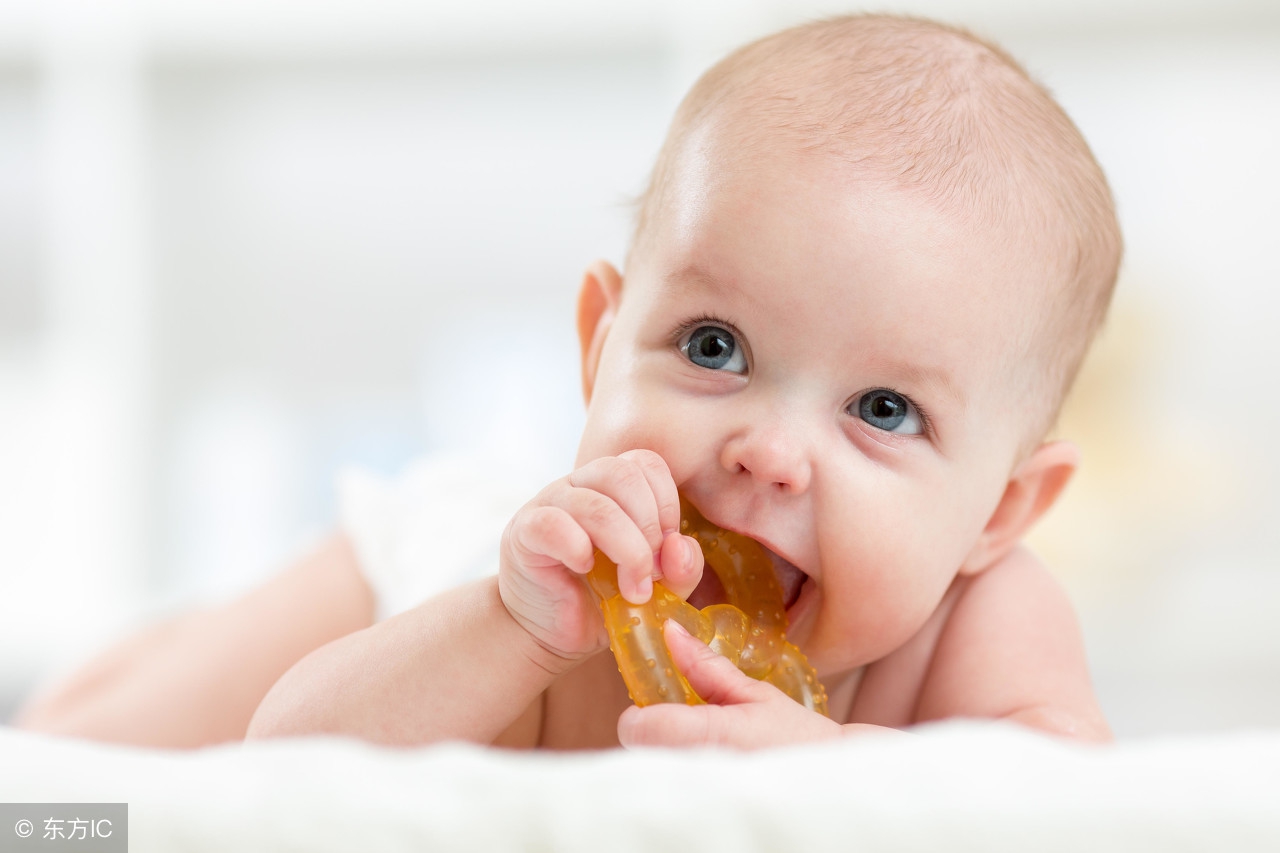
624,505
740,712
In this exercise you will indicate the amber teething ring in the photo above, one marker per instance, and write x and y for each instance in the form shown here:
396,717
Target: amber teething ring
756,643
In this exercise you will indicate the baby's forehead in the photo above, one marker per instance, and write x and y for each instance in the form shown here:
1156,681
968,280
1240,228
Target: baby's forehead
799,235
922,104
847,202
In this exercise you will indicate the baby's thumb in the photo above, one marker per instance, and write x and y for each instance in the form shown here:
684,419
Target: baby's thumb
681,563
712,676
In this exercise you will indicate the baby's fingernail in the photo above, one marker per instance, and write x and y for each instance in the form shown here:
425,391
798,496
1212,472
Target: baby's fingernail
690,555
673,625
644,589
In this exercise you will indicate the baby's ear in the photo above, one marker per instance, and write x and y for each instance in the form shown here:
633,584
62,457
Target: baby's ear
1031,490
597,306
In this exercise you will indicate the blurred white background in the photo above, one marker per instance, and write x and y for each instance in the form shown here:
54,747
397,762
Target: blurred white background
245,244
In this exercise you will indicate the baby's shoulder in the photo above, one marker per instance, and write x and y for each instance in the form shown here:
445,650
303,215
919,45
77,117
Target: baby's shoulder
1003,621
1017,597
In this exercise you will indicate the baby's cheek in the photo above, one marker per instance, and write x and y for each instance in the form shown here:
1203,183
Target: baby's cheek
880,600
621,424
893,608
608,432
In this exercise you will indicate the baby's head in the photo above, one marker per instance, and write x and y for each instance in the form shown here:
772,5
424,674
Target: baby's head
870,260
935,112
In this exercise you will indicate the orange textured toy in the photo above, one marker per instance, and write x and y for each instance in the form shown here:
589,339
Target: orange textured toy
756,643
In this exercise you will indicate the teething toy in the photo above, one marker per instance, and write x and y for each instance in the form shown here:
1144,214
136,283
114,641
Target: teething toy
756,643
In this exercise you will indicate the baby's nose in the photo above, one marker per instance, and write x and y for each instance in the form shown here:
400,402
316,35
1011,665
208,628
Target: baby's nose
771,454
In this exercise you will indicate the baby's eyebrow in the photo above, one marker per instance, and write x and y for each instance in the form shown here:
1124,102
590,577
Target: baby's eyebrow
696,277
935,379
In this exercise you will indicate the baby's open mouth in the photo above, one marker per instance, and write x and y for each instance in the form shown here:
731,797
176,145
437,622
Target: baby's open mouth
789,578
711,591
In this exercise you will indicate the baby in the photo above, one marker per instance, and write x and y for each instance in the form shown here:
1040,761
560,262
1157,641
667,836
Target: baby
869,262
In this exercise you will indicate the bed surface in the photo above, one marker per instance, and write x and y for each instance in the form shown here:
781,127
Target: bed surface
957,786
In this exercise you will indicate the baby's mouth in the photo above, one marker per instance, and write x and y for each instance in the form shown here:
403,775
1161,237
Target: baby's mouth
790,578
711,591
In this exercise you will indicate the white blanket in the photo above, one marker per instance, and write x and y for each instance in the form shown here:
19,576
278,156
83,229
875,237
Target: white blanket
957,786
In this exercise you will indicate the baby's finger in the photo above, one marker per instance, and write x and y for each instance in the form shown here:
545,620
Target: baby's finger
661,483
614,533
672,726
681,563
549,535
627,483
711,676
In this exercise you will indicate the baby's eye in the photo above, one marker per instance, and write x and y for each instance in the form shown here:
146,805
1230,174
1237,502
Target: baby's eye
714,348
888,411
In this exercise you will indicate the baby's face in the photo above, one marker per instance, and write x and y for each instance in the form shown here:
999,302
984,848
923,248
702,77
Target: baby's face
824,364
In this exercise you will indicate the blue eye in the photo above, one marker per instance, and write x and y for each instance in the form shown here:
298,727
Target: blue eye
888,411
715,349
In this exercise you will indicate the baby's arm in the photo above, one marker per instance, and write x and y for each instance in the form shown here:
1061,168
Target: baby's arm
470,663
196,679
455,667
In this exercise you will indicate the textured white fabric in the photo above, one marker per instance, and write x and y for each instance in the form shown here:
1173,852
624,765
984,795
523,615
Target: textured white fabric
434,527
952,787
